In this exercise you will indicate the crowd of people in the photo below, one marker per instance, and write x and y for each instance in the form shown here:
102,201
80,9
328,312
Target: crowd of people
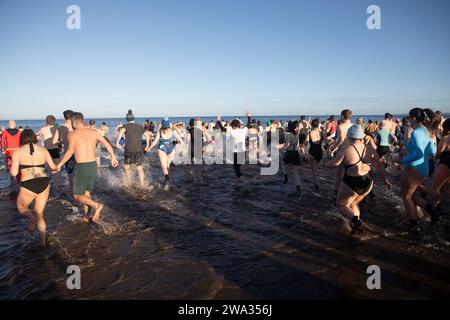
417,145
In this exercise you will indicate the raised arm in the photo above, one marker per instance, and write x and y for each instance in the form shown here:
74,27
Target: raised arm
219,123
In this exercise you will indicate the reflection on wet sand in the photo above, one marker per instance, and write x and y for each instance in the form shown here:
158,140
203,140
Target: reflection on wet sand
214,240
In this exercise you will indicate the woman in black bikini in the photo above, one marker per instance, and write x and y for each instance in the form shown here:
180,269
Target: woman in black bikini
357,183
30,160
315,138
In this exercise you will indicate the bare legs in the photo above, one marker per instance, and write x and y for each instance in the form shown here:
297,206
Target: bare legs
36,215
441,178
410,181
87,201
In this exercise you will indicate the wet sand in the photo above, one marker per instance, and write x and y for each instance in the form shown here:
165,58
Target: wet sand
218,241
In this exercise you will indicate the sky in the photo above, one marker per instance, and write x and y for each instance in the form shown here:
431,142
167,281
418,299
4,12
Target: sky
203,58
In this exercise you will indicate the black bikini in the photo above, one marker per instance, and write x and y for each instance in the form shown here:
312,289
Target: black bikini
36,185
359,184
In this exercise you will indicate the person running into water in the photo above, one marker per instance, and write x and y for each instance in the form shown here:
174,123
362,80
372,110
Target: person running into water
30,161
291,159
315,139
47,133
441,176
384,139
236,136
357,158
11,142
419,148
165,140
61,138
82,144
134,152
341,142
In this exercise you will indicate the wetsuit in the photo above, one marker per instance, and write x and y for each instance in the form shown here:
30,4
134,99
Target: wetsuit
359,184
419,149
10,142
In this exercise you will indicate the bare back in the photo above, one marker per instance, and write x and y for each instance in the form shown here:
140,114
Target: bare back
358,157
84,142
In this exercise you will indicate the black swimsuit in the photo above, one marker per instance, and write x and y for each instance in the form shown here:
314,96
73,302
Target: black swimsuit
445,159
315,148
359,184
36,185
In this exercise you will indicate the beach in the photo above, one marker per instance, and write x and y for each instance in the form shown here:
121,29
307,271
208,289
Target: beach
213,240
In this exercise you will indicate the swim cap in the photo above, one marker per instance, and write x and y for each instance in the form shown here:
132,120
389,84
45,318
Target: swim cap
355,132
165,123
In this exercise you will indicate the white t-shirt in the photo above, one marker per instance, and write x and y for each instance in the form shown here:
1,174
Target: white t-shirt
236,139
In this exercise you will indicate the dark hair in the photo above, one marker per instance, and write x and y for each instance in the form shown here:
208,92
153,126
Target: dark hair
332,118
28,136
259,123
92,122
68,114
50,120
292,125
315,123
346,114
235,124
446,126
78,117
426,117
370,121
302,118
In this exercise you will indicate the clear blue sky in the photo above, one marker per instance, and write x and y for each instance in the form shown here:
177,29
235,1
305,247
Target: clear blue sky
190,57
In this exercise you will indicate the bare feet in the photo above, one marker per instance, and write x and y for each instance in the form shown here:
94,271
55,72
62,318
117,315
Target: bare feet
96,216
85,218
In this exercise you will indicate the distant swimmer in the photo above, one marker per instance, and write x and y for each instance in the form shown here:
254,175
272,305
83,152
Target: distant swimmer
9,143
82,144
30,161
357,183
134,152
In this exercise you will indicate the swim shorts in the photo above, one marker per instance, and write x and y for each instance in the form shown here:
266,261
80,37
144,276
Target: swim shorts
84,177
133,158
